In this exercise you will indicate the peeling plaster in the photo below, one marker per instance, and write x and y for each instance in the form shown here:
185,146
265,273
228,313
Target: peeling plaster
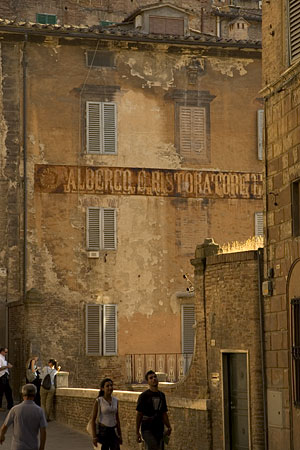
228,65
154,72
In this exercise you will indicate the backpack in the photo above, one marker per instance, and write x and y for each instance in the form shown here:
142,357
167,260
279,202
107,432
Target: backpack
46,383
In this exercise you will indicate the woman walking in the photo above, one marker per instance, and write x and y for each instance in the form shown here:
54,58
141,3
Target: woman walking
106,416
33,376
48,394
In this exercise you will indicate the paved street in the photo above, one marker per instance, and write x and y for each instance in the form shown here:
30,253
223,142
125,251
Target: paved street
59,437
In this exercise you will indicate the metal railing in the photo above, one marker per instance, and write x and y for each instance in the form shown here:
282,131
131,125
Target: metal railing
174,365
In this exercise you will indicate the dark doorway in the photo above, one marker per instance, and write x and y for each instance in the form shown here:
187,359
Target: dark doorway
235,385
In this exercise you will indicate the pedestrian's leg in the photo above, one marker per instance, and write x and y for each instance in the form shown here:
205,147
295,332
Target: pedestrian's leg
1,392
44,393
49,403
114,440
151,442
8,395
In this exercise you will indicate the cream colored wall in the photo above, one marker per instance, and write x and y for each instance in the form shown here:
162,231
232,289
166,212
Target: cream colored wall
145,273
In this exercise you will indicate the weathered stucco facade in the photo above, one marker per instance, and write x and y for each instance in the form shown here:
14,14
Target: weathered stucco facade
166,199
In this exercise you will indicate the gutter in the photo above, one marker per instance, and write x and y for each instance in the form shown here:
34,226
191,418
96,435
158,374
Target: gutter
190,41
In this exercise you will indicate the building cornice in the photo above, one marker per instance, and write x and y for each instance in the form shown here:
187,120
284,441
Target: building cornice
282,81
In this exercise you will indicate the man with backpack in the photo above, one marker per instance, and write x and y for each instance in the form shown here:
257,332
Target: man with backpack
152,415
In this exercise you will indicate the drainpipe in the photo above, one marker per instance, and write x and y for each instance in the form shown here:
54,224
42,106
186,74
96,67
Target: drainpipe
262,340
24,64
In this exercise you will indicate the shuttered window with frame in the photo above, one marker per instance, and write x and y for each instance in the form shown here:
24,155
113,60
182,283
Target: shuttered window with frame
101,128
101,228
294,29
259,223
49,19
101,329
296,207
192,130
166,25
187,327
260,133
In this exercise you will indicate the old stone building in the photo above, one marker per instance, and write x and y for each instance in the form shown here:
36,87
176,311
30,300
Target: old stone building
122,147
281,36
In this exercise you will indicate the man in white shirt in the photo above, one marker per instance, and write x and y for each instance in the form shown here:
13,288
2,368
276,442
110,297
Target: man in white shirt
28,421
4,379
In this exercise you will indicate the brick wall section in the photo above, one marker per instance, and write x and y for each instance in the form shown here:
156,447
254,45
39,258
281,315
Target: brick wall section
189,422
231,318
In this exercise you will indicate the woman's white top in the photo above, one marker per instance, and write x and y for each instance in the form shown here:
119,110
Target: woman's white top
52,373
108,412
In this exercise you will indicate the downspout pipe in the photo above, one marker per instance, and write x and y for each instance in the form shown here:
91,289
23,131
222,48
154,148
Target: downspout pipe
24,111
262,342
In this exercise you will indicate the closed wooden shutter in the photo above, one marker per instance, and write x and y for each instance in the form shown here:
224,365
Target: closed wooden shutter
93,228
166,25
101,127
188,331
192,130
260,133
174,26
110,128
294,25
259,224
109,239
109,329
46,19
93,329
93,127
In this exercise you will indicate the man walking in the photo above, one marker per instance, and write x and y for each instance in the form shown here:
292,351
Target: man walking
4,379
152,415
27,419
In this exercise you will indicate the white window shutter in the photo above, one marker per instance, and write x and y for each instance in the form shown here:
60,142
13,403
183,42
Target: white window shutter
93,127
109,128
109,235
294,26
187,325
109,329
192,130
93,228
260,133
93,329
259,223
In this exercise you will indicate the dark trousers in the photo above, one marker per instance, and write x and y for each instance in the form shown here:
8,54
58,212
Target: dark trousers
152,442
6,389
37,383
109,440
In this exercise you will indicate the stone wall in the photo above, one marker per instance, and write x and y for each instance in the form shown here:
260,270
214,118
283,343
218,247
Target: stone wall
227,321
189,419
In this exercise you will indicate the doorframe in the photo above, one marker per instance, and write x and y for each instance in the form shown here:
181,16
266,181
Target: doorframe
246,352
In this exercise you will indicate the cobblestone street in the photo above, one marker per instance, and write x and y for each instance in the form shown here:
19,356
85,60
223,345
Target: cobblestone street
59,437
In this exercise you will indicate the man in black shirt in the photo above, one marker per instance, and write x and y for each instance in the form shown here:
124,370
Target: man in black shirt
152,415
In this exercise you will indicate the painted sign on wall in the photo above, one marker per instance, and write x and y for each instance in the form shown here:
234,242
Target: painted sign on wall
154,182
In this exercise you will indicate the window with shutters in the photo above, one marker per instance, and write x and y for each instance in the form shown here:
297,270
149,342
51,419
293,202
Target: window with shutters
166,25
260,133
101,329
295,333
294,29
101,128
259,223
188,334
101,229
192,124
192,130
188,330
46,19
296,207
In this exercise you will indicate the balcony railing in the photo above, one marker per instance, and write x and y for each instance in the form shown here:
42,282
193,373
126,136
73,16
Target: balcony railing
174,365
